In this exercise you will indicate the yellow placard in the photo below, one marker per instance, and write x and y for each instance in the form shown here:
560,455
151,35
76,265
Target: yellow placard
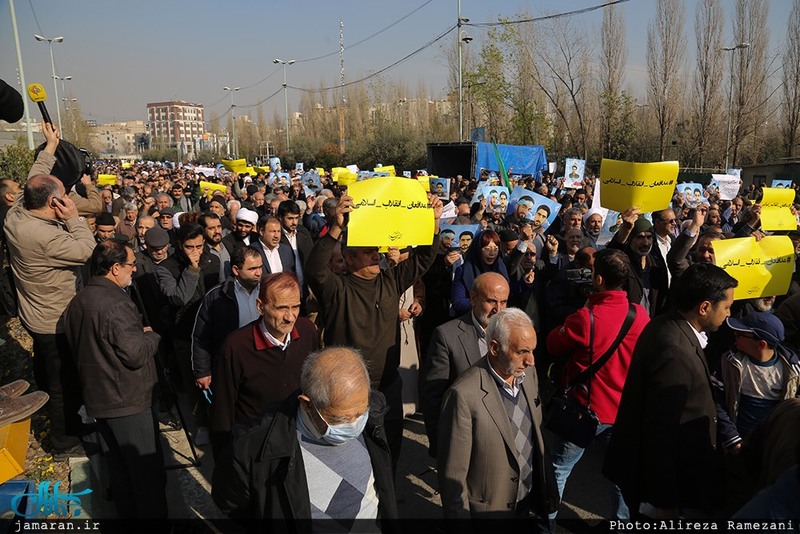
649,186
763,268
235,165
389,169
320,171
775,212
213,187
336,171
389,212
126,165
106,179
264,170
250,170
347,178
426,183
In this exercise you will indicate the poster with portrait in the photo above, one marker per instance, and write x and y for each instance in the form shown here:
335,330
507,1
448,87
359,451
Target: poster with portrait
458,235
441,188
573,173
543,210
692,194
734,172
725,185
277,179
496,198
781,184
311,180
611,224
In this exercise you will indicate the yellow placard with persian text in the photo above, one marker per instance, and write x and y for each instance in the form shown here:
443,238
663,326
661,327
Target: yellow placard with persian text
649,186
426,183
763,268
106,179
126,165
389,169
235,165
775,212
389,212
212,187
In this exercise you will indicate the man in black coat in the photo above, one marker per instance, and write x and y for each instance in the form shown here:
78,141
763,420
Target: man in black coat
116,366
297,237
340,426
663,450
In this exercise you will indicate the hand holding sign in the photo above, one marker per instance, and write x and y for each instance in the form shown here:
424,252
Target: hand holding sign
343,208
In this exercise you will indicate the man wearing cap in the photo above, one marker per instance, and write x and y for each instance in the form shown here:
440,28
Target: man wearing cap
217,205
635,238
146,293
243,234
757,373
105,227
592,226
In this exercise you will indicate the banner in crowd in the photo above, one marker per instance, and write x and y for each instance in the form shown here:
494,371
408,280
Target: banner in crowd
692,194
543,210
106,179
389,212
235,165
763,268
573,173
441,187
726,185
460,235
388,169
210,186
775,212
208,172
734,172
781,184
647,185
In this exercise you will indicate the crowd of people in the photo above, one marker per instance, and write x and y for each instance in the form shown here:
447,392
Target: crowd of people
286,343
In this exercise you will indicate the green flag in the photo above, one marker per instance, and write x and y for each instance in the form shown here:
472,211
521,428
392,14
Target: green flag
503,173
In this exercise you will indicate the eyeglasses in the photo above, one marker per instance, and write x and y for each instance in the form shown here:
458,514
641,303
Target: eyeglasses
130,264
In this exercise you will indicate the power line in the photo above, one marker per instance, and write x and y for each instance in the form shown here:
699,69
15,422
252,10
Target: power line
545,17
393,24
381,71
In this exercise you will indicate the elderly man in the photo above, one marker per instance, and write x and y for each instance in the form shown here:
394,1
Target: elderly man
491,452
48,243
116,366
457,345
143,224
260,363
361,309
330,436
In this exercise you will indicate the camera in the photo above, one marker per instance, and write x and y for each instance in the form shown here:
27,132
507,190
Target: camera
580,282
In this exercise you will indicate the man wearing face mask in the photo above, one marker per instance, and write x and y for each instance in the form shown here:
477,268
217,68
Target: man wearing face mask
116,366
331,434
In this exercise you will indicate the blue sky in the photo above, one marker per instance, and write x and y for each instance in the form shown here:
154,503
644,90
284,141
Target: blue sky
124,54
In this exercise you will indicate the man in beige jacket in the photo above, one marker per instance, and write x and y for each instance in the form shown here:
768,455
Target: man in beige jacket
48,242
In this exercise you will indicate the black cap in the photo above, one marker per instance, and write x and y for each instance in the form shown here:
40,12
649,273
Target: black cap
156,237
105,219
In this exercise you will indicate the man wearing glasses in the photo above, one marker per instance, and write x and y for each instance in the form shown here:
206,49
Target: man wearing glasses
116,366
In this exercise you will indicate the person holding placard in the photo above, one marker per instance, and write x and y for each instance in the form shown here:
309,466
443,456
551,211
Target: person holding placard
361,309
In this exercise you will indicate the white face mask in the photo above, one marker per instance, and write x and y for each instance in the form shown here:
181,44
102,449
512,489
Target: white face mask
342,433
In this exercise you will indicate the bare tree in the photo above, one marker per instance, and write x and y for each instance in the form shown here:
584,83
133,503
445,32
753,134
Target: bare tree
791,82
707,94
665,50
751,78
562,72
613,58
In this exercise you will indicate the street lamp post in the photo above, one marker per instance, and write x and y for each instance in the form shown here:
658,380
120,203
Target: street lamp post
70,117
233,119
732,50
63,79
285,98
50,41
462,38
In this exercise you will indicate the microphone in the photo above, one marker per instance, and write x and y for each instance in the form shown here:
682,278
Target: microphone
11,105
37,93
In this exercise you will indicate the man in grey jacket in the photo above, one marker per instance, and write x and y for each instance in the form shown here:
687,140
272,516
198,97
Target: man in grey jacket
116,366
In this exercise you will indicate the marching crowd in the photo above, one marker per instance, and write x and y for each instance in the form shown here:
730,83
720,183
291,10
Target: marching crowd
286,344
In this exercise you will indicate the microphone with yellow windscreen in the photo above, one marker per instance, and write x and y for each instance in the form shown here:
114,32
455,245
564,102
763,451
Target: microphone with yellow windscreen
37,93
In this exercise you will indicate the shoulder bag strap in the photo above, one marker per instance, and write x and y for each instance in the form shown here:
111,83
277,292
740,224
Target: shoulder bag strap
595,366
